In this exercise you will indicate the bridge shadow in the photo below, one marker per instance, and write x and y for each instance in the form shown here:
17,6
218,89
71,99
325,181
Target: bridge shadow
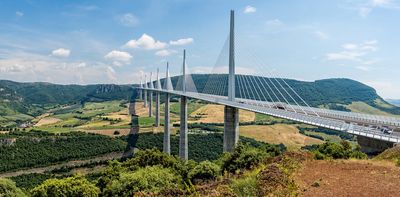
134,130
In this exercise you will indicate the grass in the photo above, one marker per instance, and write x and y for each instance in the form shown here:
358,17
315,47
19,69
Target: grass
381,103
331,138
279,133
362,107
146,121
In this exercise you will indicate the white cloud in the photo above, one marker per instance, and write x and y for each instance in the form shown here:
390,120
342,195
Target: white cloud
146,42
61,52
183,41
381,2
128,20
119,58
274,22
386,89
363,68
356,53
165,52
365,9
19,13
249,9
321,35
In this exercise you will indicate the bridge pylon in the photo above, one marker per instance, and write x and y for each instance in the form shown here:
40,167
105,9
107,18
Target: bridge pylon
167,126
145,91
151,97
231,114
158,87
183,135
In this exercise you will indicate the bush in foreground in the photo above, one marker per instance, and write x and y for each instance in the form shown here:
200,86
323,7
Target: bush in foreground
152,179
71,186
9,189
205,170
244,157
342,150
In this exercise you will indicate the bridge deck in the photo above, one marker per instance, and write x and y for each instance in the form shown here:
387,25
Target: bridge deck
331,119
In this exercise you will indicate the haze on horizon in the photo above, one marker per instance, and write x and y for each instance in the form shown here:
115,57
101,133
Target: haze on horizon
88,42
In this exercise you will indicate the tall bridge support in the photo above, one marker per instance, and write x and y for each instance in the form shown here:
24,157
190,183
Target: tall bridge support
150,103
145,98
231,128
373,146
167,126
157,109
183,135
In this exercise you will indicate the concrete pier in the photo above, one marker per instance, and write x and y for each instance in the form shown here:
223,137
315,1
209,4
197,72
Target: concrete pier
150,104
157,123
183,134
145,98
231,128
167,126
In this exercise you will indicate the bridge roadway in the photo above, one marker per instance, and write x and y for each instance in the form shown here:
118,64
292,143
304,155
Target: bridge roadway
341,121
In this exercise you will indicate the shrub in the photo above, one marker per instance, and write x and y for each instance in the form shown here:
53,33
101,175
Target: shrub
205,170
149,179
342,150
244,157
151,157
358,155
9,189
247,186
72,186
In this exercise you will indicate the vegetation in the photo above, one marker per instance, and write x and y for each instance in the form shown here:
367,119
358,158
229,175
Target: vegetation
342,135
245,157
205,170
342,150
71,186
150,179
9,189
43,148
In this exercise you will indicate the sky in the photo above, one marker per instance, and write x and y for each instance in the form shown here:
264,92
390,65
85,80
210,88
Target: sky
91,42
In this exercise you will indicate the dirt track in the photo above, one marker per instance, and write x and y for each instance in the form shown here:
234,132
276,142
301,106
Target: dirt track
349,178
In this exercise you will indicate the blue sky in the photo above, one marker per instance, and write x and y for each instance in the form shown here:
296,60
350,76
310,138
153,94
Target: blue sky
86,42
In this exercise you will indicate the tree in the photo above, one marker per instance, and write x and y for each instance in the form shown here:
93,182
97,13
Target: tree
71,186
9,189
153,179
205,170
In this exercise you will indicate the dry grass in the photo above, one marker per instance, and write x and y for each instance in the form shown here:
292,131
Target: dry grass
348,178
47,121
213,113
139,109
280,133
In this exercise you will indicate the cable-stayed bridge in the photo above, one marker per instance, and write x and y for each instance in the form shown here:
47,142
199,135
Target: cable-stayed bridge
271,95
